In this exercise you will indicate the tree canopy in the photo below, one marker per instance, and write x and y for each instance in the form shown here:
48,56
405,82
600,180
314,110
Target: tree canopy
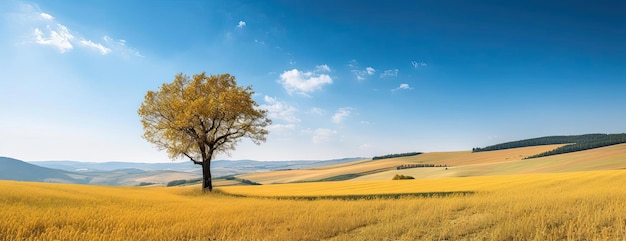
200,116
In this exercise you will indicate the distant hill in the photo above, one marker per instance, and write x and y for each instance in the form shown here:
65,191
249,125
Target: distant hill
76,166
132,174
13,169
219,167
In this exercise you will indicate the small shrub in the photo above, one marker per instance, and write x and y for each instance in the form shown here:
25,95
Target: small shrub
176,183
401,177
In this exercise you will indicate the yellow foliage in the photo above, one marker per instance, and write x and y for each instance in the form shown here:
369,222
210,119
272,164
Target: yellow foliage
561,206
201,115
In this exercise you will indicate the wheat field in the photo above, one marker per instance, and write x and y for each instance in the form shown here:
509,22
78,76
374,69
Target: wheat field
460,163
561,206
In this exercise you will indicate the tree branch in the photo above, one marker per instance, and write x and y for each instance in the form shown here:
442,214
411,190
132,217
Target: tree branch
191,158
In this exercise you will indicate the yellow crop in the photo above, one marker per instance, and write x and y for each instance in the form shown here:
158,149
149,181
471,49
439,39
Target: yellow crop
562,206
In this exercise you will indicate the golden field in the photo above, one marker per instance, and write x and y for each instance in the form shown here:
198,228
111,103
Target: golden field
461,164
552,206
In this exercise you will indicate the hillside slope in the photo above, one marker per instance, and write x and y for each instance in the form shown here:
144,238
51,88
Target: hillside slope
460,164
605,158
363,168
13,169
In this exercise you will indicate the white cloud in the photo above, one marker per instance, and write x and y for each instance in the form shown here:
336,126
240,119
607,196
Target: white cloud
241,24
103,50
323,68
279,110
402,87
59,38
121,47
48,31
46,16
418,64
360,74
342,114
353,63
317,111
304,82
321,135
282,127
390,73
365,146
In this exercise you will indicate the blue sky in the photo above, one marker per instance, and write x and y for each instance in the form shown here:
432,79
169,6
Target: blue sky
340,79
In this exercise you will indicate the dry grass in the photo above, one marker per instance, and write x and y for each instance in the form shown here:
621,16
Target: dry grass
463,163
562,206
463,158
288,176
605,158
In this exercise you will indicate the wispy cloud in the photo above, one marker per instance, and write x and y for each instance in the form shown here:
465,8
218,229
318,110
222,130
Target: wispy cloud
303,82
360,74
282,127
241,24
402,87
341,114
390,73
103,50
46,16
279,110
47,31
317,111
59,37
323,68
121,47
418,64
321,135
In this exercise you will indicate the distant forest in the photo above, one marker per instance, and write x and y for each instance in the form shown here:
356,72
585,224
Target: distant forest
396,155
576,143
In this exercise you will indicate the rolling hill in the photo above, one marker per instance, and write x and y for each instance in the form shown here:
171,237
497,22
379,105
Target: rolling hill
459,164
132,174
506,158
13,169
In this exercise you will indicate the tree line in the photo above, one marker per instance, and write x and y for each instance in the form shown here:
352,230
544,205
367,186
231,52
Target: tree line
418,165
612,139
396,155
575,143
551,140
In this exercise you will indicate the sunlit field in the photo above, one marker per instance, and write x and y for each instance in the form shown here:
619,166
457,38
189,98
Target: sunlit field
371,167
461,163
562,206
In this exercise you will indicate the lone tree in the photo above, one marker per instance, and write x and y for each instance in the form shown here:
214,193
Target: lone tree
202,116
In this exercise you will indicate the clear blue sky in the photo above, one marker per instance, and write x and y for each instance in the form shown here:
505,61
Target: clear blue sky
340,79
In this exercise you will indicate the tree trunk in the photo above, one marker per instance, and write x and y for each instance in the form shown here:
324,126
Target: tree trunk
207,183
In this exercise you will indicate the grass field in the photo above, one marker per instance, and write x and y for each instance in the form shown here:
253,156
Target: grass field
370,167
605,158
554,206
461,164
